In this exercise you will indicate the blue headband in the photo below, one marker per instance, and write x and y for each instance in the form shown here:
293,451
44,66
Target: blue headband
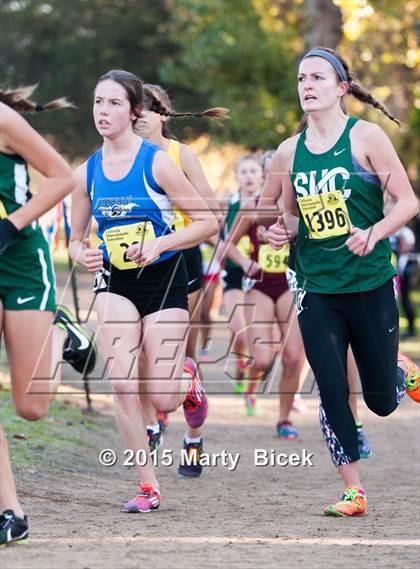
335,62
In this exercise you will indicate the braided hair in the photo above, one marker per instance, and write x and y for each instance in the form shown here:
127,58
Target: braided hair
157,100
355,89
19,100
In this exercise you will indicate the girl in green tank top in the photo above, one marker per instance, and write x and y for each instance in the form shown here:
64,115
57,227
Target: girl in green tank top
332,176
249,175
27,297
333,197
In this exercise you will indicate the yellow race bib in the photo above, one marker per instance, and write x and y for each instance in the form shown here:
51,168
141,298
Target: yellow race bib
118,239
325,215
394,260
3,212
272,261
207,253
244,246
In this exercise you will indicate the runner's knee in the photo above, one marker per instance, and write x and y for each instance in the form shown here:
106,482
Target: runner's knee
383,406
292,363
262,361
31,411
164,403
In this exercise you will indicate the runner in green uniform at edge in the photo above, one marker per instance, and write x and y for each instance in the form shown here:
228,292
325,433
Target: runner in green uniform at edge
249,176
27,285
332,176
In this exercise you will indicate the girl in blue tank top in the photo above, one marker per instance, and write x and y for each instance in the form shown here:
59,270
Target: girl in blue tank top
140,209
129,186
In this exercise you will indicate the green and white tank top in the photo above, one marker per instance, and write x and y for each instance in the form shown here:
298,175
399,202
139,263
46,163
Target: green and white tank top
334,193
14,189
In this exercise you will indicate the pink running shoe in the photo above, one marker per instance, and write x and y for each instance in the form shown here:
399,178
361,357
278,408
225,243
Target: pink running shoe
162,419
147,499
196,402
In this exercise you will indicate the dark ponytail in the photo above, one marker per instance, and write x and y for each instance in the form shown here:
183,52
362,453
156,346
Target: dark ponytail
217,113
158,101
19,100
362,94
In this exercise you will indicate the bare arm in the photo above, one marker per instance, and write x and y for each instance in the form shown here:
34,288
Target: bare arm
394,180
386,164
20,138
193,170
81,217
204,225
268,208
286,227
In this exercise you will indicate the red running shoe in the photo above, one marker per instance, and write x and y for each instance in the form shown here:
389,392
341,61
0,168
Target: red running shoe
147,499
196,402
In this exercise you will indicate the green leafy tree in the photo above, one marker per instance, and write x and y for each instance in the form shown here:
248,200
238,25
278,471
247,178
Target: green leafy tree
232,56
65,45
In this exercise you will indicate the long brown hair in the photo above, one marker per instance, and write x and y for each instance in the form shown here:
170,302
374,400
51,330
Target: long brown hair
158,101
355,89
20,100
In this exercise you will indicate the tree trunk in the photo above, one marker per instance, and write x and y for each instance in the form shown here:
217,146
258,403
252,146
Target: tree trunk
324,27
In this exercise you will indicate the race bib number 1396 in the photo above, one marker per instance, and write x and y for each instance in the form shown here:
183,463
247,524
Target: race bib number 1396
325,215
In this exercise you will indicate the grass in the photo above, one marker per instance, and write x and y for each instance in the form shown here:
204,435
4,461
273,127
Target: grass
62,430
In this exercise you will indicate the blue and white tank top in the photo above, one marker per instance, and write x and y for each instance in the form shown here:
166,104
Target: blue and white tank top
130,210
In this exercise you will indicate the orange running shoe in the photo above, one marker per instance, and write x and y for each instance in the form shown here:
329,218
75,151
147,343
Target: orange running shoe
412,376
353,503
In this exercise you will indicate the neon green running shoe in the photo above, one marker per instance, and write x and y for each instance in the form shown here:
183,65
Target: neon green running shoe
239,382
251,404
412,376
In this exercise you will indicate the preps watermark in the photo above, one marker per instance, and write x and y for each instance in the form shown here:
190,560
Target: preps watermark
264,457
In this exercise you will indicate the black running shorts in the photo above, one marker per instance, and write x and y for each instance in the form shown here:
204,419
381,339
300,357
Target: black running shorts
194,266
151,289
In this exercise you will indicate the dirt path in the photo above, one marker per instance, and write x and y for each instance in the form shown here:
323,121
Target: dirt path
252,516
242,518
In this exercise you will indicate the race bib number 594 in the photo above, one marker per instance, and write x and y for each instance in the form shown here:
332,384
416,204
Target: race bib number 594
325,215
119,239
272,261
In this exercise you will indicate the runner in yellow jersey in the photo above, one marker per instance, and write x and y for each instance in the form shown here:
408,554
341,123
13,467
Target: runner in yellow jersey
153,125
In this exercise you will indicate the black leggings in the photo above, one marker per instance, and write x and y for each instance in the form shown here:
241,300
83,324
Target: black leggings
368,321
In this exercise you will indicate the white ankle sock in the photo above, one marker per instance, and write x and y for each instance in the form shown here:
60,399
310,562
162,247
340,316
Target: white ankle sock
189,440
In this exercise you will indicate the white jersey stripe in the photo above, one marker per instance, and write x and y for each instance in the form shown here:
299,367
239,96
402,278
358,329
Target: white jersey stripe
47,283
21,184
162,201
